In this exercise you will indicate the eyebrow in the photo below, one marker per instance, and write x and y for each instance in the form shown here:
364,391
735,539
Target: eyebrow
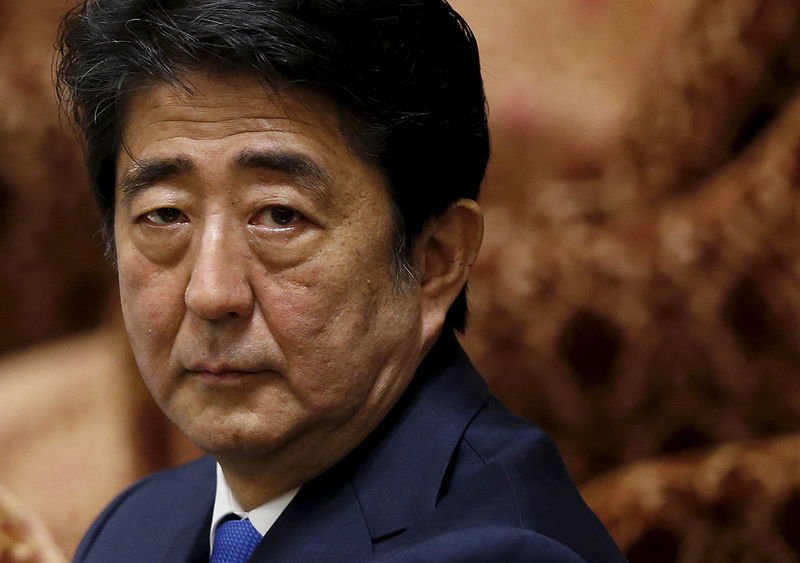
302,169
144,173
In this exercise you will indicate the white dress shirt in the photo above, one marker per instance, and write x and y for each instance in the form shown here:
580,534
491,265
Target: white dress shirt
262,517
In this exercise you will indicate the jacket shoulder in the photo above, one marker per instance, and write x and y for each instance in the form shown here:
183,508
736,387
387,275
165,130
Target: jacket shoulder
514,475
151,512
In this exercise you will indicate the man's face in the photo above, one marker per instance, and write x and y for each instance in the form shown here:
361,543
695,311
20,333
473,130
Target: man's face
254,252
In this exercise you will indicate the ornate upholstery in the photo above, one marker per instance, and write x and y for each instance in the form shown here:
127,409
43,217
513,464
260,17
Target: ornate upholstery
637,289
735,502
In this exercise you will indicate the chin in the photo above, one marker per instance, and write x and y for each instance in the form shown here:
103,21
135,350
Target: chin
222,444
238,435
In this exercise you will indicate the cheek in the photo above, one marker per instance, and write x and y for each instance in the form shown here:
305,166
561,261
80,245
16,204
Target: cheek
152,302
337,330
317,303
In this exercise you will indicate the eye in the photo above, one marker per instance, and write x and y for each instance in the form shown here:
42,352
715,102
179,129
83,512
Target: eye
277,217
164,216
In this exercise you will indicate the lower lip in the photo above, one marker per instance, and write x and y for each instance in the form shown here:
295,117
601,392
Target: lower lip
225,377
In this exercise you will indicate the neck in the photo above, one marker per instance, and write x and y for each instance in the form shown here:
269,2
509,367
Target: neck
254,483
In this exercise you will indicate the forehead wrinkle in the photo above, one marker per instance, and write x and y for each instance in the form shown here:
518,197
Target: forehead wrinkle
216,128
246,109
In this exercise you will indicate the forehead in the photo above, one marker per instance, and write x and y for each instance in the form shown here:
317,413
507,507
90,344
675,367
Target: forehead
219,125
205,107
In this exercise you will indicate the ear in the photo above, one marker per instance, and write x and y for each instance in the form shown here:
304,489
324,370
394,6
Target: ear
445,254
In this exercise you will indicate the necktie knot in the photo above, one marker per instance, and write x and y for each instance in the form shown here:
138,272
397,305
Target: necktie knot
234,541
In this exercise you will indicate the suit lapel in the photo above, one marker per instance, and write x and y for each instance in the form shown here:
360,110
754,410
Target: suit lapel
322,523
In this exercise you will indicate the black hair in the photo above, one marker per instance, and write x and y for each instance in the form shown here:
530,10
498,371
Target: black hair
404,73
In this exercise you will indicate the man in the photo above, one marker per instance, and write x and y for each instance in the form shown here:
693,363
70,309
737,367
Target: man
289,190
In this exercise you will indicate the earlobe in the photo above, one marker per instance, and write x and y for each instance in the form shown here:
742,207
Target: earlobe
447,251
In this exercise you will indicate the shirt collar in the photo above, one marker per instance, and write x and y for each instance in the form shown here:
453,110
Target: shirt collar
262,517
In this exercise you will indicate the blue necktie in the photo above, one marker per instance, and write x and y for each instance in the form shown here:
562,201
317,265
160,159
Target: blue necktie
234,541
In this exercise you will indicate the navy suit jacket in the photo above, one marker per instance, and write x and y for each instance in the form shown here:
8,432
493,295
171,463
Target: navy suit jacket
450,475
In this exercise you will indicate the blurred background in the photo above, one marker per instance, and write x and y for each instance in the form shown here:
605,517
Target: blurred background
638,293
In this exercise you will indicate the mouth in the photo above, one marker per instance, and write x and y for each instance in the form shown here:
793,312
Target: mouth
222,375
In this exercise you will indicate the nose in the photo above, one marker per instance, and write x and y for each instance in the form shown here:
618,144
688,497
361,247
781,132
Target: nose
219,286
